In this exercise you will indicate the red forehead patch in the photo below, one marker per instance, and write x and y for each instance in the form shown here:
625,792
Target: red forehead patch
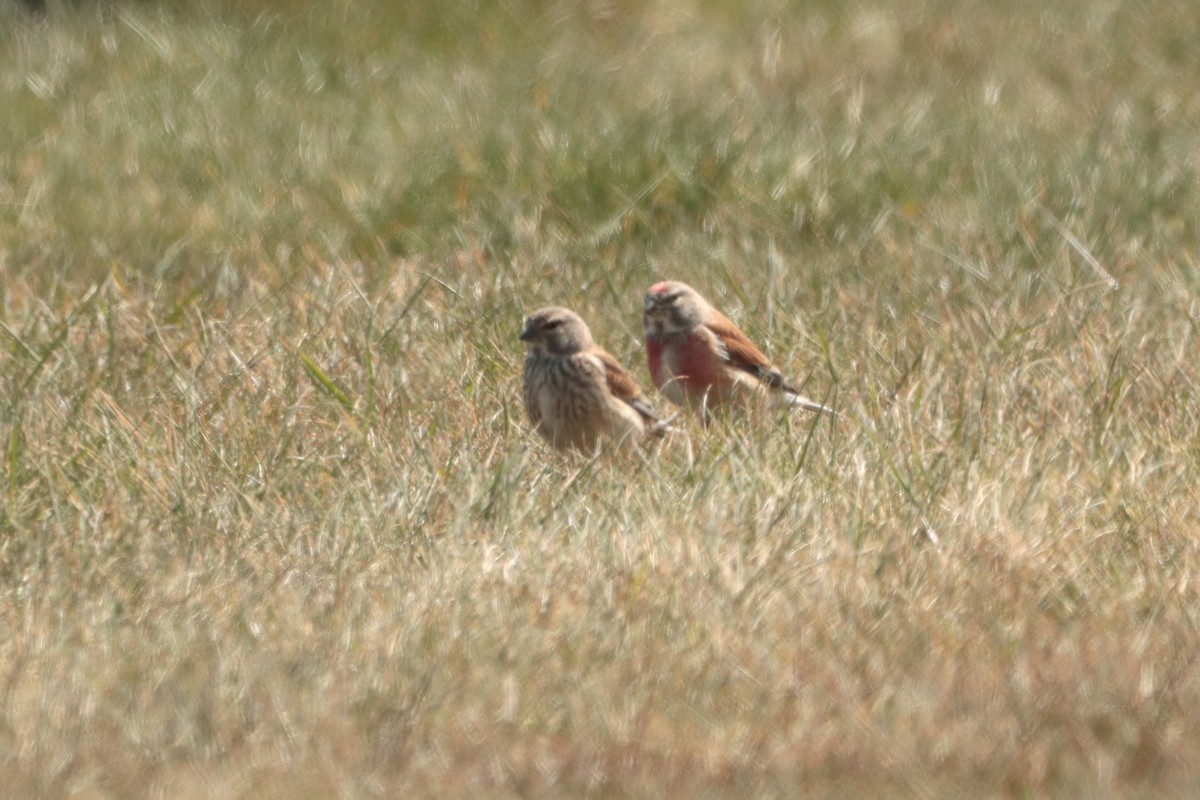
659,287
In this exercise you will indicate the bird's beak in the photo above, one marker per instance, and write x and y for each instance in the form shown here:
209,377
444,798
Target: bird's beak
651,304
526,332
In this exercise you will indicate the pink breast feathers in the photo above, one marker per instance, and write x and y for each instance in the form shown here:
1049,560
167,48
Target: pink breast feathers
697,363
688,362
654,359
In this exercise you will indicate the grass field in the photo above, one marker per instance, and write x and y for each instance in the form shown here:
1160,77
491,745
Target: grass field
273,523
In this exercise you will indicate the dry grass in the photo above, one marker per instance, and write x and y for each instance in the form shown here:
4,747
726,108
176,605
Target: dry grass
273,524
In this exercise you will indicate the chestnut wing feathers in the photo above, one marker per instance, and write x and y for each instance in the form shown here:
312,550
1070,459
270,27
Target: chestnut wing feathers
624,388
741,353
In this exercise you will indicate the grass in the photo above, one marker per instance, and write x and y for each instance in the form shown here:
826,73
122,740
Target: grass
273,524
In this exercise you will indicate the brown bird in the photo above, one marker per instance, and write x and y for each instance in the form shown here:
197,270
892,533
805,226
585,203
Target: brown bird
577,395
700,359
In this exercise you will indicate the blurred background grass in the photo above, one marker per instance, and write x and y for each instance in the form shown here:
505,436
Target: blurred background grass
391,130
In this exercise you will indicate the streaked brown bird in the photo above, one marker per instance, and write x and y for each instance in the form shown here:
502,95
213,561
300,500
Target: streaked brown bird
578,397
698,358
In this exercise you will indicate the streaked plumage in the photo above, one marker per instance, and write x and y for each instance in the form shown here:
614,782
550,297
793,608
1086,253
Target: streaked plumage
576,394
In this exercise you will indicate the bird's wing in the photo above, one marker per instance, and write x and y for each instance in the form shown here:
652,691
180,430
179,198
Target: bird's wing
740,352
624,387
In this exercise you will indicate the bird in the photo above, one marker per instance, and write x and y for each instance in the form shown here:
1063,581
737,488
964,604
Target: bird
577,395
700,359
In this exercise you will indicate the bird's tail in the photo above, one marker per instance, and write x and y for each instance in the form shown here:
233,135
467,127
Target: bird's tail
661,427
800,401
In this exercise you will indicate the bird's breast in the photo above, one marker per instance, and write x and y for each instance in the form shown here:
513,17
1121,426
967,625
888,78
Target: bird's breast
654,360
687,358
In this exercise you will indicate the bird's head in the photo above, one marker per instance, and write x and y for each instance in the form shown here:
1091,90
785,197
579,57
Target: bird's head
673,307
556,331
